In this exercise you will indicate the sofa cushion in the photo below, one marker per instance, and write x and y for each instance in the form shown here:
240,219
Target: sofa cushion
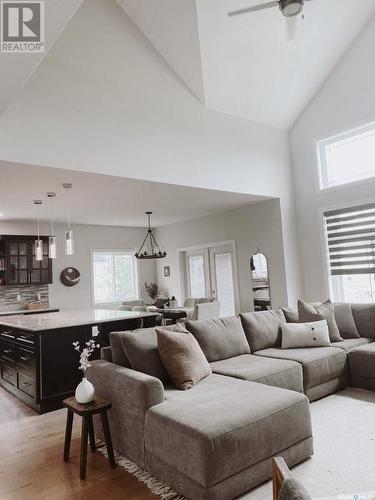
293,490
319,364
118,354
141,351
362,362
220,338
308,312
226,424
350,344
276,372
314,334
364,317
291,314
182,358
262,328
345,321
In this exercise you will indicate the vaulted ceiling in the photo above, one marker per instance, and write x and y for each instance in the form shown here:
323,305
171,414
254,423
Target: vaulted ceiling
244,66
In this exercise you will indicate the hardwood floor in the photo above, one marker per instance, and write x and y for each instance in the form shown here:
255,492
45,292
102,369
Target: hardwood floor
32,466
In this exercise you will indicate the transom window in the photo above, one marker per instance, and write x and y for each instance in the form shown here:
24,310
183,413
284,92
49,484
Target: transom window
347,157
351,253
114,276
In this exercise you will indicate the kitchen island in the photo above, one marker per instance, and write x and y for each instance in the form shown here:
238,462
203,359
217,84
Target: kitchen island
37,361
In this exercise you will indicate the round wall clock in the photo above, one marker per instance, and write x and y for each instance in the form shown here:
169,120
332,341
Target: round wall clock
70,276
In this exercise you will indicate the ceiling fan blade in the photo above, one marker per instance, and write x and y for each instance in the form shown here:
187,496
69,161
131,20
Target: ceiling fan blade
292,25
253,9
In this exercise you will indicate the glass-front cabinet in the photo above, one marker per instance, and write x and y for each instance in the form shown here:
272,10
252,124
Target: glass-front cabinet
18,265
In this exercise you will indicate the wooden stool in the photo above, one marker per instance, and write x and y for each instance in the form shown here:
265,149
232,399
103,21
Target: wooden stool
86,411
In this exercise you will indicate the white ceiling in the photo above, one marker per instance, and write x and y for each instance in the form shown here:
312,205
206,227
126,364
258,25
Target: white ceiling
244,66
250,68
107,200
16,69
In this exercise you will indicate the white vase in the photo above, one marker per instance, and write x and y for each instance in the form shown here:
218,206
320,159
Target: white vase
85,391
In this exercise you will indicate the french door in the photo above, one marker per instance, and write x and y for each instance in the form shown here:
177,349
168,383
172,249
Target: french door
210,273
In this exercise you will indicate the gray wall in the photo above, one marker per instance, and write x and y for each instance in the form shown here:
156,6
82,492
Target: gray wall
87,238
252,227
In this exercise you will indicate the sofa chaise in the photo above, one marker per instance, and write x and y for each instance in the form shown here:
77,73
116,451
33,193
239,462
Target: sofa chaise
216,440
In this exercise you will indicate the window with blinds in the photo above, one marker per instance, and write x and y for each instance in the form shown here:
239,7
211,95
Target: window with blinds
351,240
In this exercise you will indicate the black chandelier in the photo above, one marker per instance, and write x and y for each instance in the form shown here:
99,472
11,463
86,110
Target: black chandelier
151,243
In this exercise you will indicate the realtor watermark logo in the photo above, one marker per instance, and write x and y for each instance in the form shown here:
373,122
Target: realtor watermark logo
22,27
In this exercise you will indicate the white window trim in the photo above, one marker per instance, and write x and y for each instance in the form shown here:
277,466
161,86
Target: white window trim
320,145
136,274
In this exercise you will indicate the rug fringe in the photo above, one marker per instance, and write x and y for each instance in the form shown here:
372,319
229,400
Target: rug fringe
154,485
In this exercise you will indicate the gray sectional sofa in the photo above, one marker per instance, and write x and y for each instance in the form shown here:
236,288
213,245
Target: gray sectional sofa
216,440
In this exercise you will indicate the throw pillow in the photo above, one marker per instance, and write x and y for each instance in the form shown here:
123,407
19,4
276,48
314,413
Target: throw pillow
364,317
345,321
295,335
293,490
141,349
262,328
308,313
220,338
291,314
183,358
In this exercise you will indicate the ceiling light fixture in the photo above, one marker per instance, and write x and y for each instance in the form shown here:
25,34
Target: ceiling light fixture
52,251
150,243
69,242
38,241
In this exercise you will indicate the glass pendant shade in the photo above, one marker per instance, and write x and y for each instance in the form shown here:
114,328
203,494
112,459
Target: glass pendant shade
38,250
52,252
69,242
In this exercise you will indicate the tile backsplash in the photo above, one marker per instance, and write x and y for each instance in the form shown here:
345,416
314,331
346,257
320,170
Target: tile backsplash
28,293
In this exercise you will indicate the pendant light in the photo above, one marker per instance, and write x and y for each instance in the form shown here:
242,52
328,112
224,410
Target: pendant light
69,242
38,241
52,252
150,243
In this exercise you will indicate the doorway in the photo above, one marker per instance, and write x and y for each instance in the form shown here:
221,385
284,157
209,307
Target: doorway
211,272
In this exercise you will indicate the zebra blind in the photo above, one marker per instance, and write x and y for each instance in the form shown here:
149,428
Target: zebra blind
351,240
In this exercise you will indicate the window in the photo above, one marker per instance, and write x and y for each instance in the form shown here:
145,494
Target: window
348,157
114,276
351,252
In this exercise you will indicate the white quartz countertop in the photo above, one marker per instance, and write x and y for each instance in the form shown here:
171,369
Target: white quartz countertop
67,319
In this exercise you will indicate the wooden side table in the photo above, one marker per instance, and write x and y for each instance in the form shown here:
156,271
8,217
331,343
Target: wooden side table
86,411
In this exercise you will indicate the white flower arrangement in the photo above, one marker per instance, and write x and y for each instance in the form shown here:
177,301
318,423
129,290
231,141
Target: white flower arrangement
85,353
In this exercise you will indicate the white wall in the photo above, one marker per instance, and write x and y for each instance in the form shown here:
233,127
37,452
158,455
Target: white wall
103,100
252,227
87,238
347,100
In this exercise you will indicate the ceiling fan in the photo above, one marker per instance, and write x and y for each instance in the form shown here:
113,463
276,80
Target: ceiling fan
289,9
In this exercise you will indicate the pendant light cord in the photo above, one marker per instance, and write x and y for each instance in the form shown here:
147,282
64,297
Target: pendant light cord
37,209
68,206
52,217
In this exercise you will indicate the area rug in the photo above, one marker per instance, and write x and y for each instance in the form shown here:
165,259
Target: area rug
342,467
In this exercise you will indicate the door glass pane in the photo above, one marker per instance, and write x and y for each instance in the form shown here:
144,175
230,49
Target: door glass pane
224,284
196,276
22,262
13,248
44,275
22,276
22,248
35,276
14,263
45,262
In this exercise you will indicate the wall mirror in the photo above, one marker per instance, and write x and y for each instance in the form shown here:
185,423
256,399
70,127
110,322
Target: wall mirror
260,282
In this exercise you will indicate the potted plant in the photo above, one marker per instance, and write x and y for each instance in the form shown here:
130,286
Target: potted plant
157,294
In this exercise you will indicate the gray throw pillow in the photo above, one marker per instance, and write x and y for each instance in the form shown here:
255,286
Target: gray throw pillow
345,321
183,358
296,335
364,317
308,313
291,314
141,349
293,490
262,328
220,338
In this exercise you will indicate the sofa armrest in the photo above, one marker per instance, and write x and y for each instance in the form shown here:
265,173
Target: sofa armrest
106,353
131,393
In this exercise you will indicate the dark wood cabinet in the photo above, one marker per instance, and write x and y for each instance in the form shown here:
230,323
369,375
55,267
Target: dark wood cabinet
18,265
